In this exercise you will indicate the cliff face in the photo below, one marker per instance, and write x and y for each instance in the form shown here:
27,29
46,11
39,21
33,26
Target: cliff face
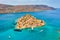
29,21
23,8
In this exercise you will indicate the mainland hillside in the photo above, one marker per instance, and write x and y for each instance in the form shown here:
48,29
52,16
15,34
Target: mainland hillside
23,8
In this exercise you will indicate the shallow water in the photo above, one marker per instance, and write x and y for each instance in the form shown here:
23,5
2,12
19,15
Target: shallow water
50,30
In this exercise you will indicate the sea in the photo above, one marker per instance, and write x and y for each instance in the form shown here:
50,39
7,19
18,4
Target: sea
51,29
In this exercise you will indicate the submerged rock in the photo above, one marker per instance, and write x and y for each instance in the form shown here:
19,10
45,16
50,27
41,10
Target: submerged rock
29,21
9,37
18,30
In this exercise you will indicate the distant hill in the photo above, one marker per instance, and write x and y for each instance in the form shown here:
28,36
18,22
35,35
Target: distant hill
23,8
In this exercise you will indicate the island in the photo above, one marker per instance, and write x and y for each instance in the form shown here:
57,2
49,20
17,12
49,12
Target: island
29,21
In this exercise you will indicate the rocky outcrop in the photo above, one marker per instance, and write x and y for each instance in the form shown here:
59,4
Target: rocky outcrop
29,21
23,8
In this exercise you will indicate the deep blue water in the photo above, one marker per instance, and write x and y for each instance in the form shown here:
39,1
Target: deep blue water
51,17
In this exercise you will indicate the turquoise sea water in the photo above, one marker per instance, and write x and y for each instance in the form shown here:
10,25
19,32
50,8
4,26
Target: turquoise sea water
51,29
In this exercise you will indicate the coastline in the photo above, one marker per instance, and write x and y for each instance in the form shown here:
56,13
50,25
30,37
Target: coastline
23,11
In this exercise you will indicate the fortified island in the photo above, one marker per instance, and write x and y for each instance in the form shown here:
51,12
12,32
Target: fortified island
29,21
